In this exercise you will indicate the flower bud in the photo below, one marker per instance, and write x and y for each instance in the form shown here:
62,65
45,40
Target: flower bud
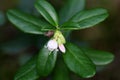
59,37
49,33
62,48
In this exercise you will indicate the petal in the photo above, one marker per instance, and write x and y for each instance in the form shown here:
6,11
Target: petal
62,48
52,45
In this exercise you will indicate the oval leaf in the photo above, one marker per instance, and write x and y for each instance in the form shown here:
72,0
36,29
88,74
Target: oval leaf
28,23
78,62
61,72
46,61
47,11
28,71
88,18
99,57
70,8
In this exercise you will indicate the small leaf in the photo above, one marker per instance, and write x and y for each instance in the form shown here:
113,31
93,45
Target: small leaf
61,72
78,62
28,23
28,71
70,8
88,18
47,11
99,57
46,61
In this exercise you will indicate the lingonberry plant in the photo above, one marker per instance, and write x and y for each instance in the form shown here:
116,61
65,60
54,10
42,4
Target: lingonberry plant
81,61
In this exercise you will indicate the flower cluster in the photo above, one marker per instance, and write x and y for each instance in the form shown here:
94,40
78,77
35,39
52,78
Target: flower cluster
57,42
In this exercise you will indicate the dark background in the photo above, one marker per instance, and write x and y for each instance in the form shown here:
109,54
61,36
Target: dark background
17,47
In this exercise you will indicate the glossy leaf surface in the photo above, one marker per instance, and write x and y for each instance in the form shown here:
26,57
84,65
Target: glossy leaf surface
61,71
99,57
47,11
28,23
90,18
78,62
70,8
70,25
46,61
87,18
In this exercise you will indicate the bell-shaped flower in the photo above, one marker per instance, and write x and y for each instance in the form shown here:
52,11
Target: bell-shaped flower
52,45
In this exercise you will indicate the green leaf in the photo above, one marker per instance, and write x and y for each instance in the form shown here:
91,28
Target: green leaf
78,62
47,11
99,57
46,61
70,25
28,23
90,18
28,71
70,8
61,72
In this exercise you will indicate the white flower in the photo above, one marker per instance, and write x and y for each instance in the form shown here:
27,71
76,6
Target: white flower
52,45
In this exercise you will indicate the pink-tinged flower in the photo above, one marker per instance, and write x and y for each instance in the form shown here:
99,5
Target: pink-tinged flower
52,45
57,42
62,48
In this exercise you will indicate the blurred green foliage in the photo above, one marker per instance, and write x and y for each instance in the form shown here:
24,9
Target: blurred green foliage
2,18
